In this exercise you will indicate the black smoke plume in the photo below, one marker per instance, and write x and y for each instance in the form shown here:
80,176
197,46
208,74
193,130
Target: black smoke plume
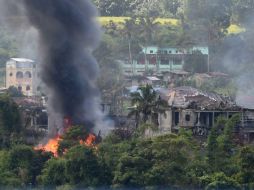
68,34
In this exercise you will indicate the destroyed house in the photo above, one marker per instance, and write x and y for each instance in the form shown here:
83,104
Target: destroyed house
197,110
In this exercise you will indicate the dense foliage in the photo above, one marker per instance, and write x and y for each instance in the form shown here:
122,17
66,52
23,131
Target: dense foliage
172,160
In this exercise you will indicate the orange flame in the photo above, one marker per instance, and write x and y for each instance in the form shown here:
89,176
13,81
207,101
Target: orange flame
90,140
51,146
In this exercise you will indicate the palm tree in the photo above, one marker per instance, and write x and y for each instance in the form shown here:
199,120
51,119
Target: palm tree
147,27
146,105
129,30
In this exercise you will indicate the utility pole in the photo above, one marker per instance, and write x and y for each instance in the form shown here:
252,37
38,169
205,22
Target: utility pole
130,57
208,61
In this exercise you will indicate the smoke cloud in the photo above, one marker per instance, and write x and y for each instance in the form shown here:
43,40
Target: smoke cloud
67,35
238,60
230,53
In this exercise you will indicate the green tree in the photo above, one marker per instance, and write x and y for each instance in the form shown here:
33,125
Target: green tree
209,19
114,7
219,181
10,122
82,167
147,26
7,177
221,146
130,171
146,104
72,138
54,173
14,92
245,161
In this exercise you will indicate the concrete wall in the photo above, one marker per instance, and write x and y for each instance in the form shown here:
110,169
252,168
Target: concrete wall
165,121
187,118
21,77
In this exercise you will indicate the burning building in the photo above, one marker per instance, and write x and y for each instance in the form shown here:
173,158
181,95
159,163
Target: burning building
65,34
197,110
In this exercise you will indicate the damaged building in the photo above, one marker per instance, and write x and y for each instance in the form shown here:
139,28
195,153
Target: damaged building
197,110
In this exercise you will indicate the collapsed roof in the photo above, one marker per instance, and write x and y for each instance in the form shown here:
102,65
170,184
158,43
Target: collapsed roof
191,98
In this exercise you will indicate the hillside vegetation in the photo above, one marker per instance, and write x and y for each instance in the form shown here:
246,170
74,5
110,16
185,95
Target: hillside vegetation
120,21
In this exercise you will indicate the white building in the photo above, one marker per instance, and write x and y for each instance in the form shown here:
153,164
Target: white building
22,73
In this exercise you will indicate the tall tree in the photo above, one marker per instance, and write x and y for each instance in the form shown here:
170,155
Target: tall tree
146,104
246,159
114,7
208,19
10,122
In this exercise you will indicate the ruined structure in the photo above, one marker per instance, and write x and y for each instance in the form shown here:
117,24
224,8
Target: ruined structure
196,110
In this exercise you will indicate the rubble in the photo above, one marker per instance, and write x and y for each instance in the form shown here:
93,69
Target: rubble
187,97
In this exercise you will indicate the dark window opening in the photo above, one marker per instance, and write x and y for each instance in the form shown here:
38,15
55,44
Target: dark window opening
28,88
151,51
177,62
141,61
11,74
187,117
28,74
19,75
20,88
164,62
152,61
176,116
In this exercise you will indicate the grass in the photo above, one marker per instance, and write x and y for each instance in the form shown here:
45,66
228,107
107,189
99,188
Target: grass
235,29
119,21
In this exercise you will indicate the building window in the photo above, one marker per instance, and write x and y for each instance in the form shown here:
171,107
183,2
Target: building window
19,75
141,61
28,88
169,51
187,117
176,118
164,61
152,60
11,74
177,62
28,74
20,88
151,51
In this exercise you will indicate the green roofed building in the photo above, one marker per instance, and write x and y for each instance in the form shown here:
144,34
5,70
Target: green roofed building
159,60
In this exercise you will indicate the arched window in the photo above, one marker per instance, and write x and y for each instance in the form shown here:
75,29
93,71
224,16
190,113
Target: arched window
11,74
28,74
19,75
28,88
